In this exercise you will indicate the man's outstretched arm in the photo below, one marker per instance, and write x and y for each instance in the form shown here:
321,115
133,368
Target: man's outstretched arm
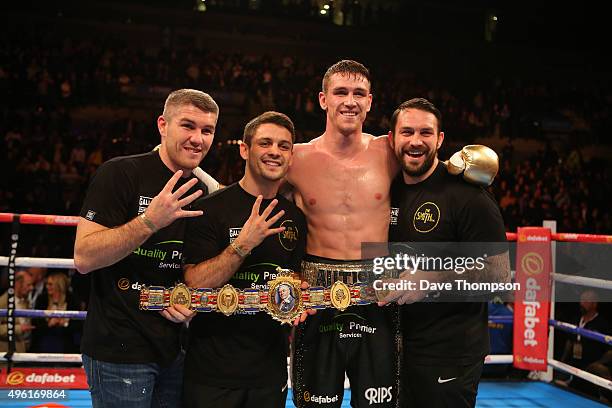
97,246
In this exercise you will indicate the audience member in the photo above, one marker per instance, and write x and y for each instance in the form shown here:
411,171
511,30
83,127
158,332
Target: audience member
581,352
39,282
23,325
56,334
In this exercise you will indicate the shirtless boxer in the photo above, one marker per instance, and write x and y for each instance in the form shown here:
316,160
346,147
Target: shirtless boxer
342,181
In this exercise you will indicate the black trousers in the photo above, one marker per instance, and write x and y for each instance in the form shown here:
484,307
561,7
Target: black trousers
197,395
446,386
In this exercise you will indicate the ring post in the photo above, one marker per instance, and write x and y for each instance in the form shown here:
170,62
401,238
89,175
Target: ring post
552,225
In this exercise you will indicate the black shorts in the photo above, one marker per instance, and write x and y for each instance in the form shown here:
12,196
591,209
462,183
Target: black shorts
196,395
362,341
439,386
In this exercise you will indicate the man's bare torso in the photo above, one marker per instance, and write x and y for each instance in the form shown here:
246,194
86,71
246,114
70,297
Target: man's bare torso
345,197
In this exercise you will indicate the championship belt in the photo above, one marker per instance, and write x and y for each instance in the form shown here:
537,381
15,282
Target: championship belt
284,300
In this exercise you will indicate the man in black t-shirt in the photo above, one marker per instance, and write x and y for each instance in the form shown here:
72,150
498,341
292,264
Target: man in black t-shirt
130,234
241,360
444,343
582,352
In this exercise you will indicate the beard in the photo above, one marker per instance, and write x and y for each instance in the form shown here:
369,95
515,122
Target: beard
430,156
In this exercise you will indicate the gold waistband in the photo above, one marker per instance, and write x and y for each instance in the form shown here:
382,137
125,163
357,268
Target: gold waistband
325,274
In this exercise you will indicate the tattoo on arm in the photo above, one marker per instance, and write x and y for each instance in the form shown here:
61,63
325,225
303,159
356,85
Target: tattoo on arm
496,269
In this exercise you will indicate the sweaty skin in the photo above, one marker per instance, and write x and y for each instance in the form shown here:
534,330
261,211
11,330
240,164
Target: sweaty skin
342,179
346,198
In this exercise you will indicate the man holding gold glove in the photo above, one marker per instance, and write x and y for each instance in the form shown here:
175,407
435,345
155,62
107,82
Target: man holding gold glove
442,217
246,232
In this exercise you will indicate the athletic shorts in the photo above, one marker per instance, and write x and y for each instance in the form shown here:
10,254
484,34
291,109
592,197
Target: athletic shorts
363,341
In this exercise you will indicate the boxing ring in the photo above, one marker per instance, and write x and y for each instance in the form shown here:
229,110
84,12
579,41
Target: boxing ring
24,386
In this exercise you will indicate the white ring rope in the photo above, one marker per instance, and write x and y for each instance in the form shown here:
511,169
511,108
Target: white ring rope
499,359
602,382
583,281
29,262
44,357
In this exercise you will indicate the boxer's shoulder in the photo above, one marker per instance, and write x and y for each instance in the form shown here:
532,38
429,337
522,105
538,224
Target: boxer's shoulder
380,142
301,149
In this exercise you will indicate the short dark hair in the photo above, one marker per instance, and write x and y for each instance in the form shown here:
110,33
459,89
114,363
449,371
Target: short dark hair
199,99
276,118
345,67
420,104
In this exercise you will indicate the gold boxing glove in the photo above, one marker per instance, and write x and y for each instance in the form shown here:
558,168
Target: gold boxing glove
478,163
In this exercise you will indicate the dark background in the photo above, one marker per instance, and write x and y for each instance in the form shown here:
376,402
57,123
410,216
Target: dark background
82,82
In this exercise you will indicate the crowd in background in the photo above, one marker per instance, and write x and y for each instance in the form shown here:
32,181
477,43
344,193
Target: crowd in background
51,143
550,186
75,101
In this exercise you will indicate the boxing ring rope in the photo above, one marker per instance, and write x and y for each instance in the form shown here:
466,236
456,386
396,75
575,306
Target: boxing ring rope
570,237
600,381
44,314
572,328
583,281
46,358
41,219
56,220
26,262
585,375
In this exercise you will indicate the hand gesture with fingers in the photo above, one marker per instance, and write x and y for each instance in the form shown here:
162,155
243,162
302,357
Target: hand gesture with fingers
259,226
167,206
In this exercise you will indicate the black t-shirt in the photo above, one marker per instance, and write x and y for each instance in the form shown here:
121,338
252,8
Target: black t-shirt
444,208
115,329
241,351
592,350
